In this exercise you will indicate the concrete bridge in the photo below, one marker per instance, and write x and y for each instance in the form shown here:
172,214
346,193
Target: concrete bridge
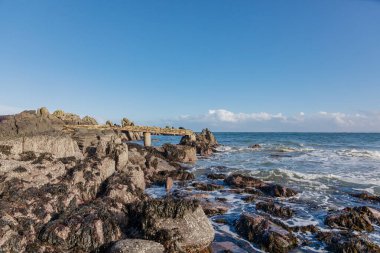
146,130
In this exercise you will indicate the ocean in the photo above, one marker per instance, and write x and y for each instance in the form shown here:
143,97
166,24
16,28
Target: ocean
324,167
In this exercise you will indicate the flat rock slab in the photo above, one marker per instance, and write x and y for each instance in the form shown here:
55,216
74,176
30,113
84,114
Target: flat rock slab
137,246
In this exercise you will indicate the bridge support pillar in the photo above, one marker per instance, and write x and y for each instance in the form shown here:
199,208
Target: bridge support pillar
147,139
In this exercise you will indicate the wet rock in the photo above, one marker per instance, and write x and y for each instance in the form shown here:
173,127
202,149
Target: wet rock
226,247
205,142
136,246
212,208
276,190
255,146
253,191
249,198
239,180
207,187
348,242
354,218
177,175
266,234
275,209
366,196
180,153
221,199
176,223
216,176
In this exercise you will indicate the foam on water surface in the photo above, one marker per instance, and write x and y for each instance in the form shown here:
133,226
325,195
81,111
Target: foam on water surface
324,168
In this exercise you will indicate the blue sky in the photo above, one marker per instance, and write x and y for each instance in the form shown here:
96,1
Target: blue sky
244,65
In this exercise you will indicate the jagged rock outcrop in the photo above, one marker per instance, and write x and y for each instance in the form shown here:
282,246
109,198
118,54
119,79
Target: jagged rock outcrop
205,142
180,225
126,122
28,123
366,196
252,184
270,236
348,242
59,145
274,209
354,218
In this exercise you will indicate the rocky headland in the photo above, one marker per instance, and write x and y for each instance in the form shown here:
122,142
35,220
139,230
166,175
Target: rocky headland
86,191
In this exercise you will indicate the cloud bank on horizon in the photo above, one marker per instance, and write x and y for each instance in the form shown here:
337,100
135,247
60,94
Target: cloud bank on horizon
225,120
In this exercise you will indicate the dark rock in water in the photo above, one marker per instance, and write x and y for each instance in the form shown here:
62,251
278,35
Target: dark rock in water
207,187
275,209
239,180
137,246
205,142
348,242
226,247
249,198
354,218
180,225
212,208
255,146
276,190
268,235
216,176
366,196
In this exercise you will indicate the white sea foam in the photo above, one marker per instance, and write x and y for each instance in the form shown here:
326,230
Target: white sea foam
359,153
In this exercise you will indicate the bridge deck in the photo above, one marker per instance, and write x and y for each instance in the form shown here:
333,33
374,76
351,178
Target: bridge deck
144,129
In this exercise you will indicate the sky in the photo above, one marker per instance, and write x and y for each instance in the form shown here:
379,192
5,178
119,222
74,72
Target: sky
230,65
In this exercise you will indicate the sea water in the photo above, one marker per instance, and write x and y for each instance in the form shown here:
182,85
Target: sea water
324,167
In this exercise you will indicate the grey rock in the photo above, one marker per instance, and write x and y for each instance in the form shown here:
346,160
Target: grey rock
137,246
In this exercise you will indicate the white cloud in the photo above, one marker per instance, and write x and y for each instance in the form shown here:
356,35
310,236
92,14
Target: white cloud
224,120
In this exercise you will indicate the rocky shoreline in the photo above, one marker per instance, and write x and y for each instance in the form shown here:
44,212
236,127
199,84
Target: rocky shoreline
86,191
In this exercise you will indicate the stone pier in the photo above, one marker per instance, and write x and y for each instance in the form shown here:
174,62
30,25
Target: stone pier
147,139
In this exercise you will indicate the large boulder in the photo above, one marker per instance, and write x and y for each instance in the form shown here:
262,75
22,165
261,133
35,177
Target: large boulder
269,236
84,229
126,122
137,246
205,142
180,225
180,153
